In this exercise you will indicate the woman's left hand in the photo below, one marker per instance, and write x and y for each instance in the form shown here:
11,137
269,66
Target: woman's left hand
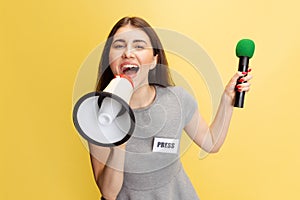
236,84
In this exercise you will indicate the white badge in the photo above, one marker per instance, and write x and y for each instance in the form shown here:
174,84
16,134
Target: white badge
165,145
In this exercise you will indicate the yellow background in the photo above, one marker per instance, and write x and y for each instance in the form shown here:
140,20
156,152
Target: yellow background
43,44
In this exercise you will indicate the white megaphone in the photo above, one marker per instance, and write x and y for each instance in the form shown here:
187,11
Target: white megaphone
105,118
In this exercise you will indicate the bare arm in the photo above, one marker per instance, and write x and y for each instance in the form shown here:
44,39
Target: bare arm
211,138
108,165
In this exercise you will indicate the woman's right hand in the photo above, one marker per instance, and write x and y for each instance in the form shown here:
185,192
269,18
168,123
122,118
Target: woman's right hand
108,167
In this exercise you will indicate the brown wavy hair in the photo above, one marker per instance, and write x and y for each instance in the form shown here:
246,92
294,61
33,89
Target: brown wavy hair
160,75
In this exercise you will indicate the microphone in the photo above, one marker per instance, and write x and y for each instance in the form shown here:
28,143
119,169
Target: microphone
244,50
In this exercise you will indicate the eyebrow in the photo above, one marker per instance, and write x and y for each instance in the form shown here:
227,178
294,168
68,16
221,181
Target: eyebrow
134,41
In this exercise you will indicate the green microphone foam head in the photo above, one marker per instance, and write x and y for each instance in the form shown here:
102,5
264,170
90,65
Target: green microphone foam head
245,47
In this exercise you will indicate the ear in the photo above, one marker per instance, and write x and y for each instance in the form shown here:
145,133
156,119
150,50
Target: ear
155,58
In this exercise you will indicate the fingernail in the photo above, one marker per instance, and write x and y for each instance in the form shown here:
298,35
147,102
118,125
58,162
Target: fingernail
249,70
241,80
244,72
238,86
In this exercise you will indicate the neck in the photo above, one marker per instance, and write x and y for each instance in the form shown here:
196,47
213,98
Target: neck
142,97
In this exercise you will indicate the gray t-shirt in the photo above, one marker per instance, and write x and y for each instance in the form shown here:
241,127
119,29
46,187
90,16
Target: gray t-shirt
152,175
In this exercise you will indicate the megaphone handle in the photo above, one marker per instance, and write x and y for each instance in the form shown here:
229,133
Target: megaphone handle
100,100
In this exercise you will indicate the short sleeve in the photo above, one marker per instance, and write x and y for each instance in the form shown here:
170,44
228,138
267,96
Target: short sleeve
188,104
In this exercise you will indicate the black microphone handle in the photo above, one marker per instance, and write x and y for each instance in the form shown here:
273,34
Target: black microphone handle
240,96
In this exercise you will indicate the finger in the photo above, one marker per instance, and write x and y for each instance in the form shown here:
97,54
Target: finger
246,89
245,78
235,80
248,71
245,84
249,77
243,87
235,77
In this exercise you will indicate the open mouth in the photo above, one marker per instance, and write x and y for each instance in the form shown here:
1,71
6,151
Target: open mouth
129,69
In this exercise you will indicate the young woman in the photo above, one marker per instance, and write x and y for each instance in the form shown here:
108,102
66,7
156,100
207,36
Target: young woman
148,166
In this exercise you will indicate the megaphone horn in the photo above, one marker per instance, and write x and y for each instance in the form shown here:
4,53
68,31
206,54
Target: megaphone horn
105,118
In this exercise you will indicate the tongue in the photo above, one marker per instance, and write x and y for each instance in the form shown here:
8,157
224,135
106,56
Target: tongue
131,71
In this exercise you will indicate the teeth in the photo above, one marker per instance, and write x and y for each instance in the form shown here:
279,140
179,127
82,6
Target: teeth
129,67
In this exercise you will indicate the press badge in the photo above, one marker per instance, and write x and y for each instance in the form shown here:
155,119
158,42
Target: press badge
165,145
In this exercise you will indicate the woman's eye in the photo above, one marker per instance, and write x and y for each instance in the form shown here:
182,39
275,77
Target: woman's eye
119,46
139,47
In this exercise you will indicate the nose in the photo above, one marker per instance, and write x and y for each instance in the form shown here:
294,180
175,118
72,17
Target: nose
128,53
